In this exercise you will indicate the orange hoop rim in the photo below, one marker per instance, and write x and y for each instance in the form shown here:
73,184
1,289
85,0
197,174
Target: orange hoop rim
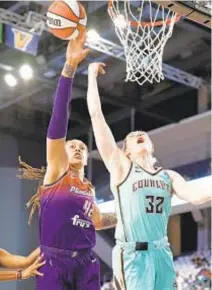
147,24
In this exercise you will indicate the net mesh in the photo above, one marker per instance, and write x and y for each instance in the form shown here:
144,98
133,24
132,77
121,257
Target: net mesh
143,31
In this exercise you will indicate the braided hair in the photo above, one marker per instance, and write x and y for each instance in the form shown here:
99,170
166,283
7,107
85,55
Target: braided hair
30,173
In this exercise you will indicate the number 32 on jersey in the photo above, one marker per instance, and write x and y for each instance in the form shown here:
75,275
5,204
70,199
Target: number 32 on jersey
154,204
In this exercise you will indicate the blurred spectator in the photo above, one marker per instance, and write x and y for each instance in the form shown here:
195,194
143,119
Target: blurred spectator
193,271
179,281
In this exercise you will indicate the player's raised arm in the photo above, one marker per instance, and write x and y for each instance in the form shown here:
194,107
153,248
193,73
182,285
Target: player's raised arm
109,151
189,192
57,160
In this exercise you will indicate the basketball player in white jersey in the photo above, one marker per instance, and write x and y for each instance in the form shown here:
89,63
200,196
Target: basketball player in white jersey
141,258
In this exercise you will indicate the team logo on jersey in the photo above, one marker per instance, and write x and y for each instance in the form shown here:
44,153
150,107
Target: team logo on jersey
80,222
165,175
143,183
138,169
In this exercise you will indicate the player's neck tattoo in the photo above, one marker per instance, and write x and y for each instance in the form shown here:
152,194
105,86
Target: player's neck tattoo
69,71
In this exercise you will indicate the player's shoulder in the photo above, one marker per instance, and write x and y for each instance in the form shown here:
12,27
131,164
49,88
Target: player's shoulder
172,173
93,191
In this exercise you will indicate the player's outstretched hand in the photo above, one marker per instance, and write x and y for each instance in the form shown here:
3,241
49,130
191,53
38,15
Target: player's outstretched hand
32,270
76,52
96,68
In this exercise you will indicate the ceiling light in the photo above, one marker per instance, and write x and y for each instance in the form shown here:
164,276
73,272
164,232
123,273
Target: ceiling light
10,80
26,72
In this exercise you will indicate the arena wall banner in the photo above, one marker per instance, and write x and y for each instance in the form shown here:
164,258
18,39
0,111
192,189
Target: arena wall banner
21,40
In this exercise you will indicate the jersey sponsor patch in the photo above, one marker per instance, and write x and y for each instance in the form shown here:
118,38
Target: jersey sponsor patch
77,221
76,190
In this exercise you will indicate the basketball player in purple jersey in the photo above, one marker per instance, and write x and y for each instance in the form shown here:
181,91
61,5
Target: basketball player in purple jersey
68,213
141,258
29,265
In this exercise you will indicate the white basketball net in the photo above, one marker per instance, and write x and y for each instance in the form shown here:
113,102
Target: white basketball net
143,44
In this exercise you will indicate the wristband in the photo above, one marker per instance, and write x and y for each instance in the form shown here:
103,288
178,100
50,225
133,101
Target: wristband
19,275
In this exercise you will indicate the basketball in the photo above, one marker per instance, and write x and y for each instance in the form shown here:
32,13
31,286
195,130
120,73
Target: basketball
66,19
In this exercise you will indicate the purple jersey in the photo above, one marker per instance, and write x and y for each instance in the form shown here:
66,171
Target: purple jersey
65,215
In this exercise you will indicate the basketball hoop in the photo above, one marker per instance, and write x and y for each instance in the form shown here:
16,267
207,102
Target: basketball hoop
143,31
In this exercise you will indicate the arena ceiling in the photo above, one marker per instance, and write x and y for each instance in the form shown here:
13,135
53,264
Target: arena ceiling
26,109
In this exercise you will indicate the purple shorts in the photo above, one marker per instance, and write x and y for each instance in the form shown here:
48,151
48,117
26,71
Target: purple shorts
69,270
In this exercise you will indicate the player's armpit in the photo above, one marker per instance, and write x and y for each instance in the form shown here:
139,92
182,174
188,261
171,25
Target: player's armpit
54,173
56,154
57,160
